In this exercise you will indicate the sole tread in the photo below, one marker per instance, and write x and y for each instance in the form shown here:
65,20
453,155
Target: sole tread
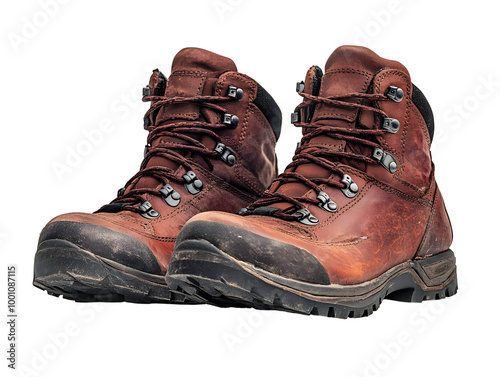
80,276
233,285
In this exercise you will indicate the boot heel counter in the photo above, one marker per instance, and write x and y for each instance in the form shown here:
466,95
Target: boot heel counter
438,234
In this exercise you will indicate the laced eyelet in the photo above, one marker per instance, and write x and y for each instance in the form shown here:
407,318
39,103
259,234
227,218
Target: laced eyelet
226,154
326,203
146,122
147,211
235,93
351,189
146,149
193,184
391,125
295,118
231,120
386,160
146,91
395,93
304,216
300,87
242,211
171,197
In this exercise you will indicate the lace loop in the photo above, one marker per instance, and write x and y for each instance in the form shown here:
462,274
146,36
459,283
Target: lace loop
322,156
183,140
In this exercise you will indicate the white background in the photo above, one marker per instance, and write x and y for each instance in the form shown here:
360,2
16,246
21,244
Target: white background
84,62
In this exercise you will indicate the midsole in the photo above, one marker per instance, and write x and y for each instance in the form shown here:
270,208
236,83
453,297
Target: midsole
373,285
405,275
157,279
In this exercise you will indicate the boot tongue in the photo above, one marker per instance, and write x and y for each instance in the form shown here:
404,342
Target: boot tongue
197,59
194,73
361,59
349,69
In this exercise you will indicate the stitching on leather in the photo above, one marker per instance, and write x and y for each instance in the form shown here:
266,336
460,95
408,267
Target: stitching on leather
192,115
377,84
184,115
310,236
346,242
422,124
256,187
402,195
189,73
428,226
347,207
323,115
386,187
409,106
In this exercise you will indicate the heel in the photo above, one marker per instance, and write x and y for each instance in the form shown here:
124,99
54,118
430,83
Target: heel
432,278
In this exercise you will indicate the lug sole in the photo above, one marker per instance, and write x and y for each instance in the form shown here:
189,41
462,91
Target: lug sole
200,270
64,269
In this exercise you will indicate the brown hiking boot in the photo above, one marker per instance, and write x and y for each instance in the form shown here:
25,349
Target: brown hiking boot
212,134
355,218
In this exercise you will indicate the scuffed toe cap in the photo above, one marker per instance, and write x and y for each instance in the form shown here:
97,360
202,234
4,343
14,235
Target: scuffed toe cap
268,254
103,242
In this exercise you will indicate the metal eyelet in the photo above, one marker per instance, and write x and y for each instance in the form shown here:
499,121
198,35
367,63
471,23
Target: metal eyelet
326,203
295,118
235,93
304,216
242,211
231,120
171,197
386,160
351,189
146,122
226,154
146,149
146,91
391,125
147,211
193,184
395,93
300,87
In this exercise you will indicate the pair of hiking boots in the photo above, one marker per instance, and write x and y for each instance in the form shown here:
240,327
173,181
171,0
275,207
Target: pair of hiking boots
356,217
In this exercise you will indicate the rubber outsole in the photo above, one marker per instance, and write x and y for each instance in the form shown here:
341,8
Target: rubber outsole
202,271
64,269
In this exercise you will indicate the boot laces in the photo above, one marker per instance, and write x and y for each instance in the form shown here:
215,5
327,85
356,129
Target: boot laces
321,156
130,200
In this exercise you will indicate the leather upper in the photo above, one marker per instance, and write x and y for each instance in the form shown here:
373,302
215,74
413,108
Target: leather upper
394,217
197,72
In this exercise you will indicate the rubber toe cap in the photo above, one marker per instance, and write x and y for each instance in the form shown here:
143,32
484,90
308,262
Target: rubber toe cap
104,242
271,255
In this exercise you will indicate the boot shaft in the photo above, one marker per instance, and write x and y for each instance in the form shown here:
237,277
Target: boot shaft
247,158
405,159
356,217
362,178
